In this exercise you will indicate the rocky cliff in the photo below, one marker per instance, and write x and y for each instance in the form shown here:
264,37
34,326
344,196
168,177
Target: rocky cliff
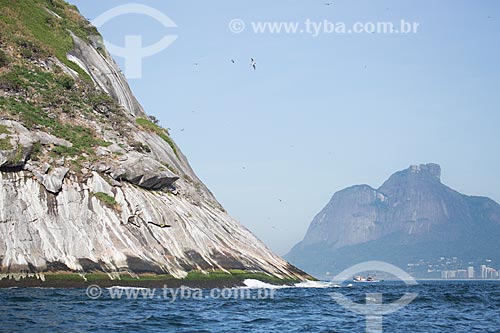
411,216
90,182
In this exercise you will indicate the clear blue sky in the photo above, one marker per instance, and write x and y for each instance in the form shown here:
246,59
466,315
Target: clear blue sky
321,113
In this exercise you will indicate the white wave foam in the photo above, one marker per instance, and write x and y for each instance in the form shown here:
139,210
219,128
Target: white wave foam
316,284
257,284
122,287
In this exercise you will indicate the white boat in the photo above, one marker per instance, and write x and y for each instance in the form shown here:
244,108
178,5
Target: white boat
362,279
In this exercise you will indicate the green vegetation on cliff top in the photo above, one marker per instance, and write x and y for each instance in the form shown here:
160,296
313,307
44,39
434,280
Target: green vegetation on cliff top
41,27
82,138
40,94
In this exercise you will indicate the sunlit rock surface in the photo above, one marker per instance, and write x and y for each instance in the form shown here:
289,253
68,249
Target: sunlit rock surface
128,202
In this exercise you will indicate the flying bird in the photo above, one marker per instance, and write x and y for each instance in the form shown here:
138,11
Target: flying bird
232,60
253,64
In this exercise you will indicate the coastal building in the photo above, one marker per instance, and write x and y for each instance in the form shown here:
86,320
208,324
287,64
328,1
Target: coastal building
462,274
470,272
489,273
449,274
483,272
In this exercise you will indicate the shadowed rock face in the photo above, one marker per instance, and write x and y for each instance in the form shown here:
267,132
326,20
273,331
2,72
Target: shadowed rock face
89,183
411,215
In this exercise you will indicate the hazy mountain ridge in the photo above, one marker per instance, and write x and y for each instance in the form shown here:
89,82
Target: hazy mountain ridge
411,215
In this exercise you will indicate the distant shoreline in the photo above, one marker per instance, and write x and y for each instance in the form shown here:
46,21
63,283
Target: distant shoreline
432,279
475,280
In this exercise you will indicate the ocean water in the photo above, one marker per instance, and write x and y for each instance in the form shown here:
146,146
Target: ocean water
468,306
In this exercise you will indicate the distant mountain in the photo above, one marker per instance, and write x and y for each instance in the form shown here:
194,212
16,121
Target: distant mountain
411,216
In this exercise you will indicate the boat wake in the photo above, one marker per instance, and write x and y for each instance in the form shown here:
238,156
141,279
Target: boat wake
317,284
257,284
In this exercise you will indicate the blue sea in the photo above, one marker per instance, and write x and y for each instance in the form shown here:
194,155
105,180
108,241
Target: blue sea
440,306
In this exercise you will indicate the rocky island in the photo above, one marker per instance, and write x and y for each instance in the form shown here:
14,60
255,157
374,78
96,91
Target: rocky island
91,187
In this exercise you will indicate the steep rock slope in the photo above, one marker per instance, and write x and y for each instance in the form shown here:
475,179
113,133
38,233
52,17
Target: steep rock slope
88,181
411,216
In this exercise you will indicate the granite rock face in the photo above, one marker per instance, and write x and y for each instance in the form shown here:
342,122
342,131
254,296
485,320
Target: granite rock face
88,182
76,231
411,216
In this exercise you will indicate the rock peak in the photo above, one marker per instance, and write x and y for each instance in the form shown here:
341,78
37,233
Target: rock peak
412,215
431,168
